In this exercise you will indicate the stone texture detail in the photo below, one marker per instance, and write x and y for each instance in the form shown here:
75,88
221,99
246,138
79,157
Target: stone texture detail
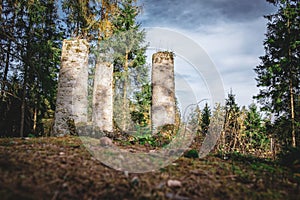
72,92
103,96
163,90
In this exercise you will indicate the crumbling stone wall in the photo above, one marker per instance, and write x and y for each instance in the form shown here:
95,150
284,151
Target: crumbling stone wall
163,89
72,92
72,102
103,96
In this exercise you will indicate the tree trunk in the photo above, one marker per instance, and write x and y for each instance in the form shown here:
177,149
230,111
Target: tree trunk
125,109
273,147
8,52
0,10
163,90
6,68
292,114
35,112
72,103
23,103
103,96
292,107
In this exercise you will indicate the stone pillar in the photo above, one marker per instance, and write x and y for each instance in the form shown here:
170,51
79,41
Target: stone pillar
163,90
103,96
72,92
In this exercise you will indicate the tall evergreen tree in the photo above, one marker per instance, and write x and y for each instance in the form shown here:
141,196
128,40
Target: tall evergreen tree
278,75
206,115
231,125
78,17
32,43
129,56
141,106
232,110
255,128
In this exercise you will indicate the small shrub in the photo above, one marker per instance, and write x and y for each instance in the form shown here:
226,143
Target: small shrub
290,157
193,153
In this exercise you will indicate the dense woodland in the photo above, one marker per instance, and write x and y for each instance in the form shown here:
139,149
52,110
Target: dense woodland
31,40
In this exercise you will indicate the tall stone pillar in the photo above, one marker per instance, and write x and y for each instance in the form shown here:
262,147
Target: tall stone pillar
72,92
103,96
163,90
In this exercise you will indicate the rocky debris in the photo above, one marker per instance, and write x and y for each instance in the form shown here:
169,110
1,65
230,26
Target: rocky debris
105,141
174,183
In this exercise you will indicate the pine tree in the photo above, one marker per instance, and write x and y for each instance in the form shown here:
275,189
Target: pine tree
255,128
278,74
78,18
141,106
206,115
32,46
129,56
231,125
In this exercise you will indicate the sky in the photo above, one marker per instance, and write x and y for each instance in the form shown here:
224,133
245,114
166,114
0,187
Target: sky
231,32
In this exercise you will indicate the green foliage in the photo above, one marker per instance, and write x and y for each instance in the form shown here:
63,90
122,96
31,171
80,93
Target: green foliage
231,106
290,157
255,129
231,125
31,55
144,136
278,74
131,77
31,135
142,104
206,115
79,16
127,39
146,139
158,140
31,46
193,153
244,130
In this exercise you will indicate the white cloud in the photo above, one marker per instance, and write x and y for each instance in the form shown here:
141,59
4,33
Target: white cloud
231,32
235,49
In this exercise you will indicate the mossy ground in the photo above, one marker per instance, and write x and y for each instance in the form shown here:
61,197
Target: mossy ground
62,168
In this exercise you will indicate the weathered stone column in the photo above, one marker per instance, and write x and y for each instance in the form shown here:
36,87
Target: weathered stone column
103,96
163,90
72,92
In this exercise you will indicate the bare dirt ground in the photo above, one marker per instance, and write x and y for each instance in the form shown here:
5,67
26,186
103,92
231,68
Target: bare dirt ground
62,168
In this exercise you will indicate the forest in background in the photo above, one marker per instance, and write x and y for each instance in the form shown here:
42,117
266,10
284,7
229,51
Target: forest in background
31,40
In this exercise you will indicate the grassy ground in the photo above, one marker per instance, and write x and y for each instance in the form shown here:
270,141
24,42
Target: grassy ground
61,168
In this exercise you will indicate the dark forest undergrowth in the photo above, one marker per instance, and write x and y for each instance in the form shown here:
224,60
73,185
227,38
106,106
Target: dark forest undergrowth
62,168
